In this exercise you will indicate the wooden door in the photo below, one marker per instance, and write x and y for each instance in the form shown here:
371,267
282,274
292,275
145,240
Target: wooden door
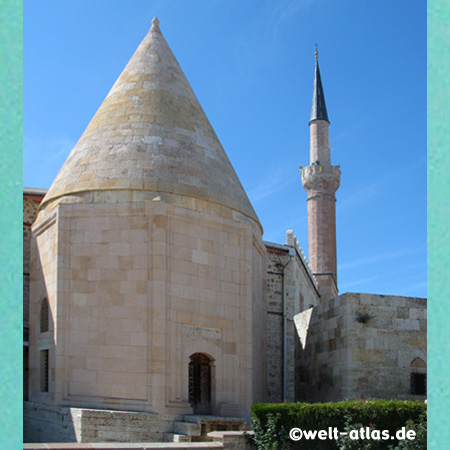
200,383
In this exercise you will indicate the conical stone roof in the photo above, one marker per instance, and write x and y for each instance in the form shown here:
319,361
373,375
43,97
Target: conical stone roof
151,134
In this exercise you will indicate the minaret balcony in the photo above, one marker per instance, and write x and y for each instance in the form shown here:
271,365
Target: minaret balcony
321,178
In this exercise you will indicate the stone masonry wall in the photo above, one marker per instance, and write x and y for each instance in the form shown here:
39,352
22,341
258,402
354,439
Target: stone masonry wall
299,293
274,328
321,353
30,209
139,288
259,313
361,345
43,285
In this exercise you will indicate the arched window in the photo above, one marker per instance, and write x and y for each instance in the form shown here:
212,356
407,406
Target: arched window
418,363
418,377
44,315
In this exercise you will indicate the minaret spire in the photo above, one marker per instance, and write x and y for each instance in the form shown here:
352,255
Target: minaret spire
321,180
319,108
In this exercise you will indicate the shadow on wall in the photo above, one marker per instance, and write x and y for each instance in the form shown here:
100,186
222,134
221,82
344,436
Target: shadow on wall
314,380
46,423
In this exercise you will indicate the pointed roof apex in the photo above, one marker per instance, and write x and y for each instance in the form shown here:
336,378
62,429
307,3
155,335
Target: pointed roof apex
155,25
151,135
319,108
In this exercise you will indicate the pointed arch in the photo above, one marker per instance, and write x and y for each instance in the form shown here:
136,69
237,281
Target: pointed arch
418,377
418,362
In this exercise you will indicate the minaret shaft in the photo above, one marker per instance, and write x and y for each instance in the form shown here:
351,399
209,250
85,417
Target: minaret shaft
319,143
321,180
322,234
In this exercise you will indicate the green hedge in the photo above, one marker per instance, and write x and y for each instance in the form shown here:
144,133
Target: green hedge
389,415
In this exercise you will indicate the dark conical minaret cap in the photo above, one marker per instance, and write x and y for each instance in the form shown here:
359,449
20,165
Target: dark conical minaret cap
319,108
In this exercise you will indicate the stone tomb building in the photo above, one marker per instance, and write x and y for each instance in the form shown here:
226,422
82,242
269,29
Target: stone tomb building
154,303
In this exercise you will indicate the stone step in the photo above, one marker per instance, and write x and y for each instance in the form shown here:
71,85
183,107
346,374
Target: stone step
176,437
232,421
187,428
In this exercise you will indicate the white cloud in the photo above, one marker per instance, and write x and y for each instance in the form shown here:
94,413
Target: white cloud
285,10
345,286
361,194
275,181
42,159
381,257
47,149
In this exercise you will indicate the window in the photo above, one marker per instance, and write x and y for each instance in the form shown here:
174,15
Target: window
44,315
418,384
418,377
44,370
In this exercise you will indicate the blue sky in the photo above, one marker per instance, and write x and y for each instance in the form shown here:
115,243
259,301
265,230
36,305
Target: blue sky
251,64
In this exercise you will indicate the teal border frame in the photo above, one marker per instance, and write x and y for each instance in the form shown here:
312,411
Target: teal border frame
11,263
438,263
11,82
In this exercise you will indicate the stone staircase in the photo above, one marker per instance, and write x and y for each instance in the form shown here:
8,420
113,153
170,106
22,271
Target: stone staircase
195,428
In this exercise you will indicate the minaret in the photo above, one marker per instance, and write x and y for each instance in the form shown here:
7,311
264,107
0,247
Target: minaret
321,180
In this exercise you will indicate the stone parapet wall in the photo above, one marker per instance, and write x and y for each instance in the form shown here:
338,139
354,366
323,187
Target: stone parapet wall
138,446
360,345
231,440
385,335
47,423
80,428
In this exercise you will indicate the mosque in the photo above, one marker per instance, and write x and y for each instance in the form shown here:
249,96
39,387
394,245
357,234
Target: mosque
152,304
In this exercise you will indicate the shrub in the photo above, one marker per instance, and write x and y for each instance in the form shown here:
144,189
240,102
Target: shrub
272,422
420,427
272,437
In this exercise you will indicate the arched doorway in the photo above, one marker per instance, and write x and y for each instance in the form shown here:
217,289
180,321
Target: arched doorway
200,383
